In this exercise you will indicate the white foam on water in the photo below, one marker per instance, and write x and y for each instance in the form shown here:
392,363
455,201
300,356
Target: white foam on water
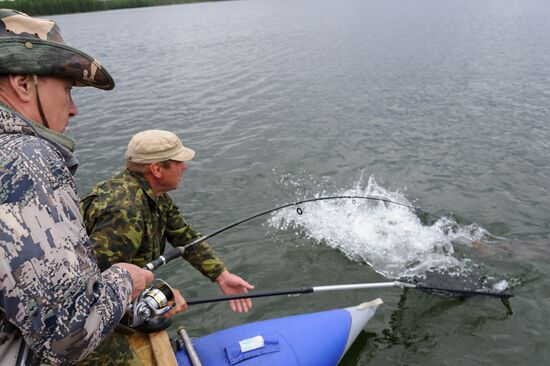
500,286
389,237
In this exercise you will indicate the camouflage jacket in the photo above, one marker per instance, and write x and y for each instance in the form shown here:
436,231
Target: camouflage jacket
129,223
52,295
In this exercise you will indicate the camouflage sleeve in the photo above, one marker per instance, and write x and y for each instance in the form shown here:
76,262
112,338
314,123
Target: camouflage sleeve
115,229
63,322
201,256
52,290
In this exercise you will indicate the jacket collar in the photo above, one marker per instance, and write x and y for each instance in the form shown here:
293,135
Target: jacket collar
147,188
12,122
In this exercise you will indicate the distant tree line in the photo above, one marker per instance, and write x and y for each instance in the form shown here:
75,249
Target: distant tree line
48,7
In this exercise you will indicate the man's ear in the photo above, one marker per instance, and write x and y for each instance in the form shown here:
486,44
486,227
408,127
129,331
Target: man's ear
23,86
154,169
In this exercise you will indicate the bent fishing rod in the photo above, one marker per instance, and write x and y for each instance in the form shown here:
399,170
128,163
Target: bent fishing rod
178,251
144,307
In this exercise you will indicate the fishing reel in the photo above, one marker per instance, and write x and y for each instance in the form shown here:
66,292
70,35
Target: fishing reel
153,302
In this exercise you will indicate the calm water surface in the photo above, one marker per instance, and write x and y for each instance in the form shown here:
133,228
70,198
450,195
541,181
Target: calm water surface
440,104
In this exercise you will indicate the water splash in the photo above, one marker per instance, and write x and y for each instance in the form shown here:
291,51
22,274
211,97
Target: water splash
390,238
500,286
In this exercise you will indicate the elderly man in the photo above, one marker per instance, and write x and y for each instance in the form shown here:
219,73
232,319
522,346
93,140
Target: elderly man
55,304
130,217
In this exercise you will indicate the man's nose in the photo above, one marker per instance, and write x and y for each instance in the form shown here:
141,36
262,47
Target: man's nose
73,111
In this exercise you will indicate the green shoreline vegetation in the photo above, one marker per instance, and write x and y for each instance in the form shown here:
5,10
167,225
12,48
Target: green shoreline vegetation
49,7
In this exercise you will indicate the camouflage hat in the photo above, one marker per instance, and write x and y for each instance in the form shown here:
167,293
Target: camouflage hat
152,146
34,46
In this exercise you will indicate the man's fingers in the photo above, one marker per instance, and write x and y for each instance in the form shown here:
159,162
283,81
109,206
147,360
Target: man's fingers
240,305
140,277
181,304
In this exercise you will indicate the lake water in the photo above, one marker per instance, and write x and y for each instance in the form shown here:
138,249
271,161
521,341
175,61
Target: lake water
442,105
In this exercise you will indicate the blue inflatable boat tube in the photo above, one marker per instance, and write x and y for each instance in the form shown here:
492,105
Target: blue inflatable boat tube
316,339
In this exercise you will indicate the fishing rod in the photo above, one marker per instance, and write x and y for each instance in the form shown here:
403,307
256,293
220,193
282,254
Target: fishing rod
178,251
357,286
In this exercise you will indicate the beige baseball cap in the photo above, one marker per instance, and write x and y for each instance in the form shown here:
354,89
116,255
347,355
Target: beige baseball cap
153,146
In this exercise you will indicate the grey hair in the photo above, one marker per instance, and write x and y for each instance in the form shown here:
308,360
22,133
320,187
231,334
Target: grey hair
142,168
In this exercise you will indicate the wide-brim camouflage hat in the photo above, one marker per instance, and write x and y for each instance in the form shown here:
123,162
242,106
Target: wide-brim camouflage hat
34,46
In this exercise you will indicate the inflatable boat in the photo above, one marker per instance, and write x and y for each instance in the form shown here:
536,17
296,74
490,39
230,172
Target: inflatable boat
315,339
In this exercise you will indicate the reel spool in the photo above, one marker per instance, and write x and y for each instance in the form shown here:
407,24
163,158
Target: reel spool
151,303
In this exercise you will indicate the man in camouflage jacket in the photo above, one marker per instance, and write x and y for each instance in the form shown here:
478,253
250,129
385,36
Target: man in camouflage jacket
129,223
55,304
130,218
